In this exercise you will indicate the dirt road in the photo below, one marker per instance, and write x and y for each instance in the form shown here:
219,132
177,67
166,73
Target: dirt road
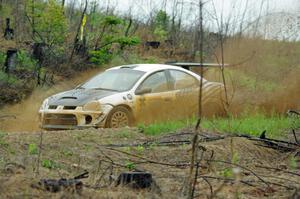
23,117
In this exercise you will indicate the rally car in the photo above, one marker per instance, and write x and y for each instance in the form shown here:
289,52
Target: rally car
128,95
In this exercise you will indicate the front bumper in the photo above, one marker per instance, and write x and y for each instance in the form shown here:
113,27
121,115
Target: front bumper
61,118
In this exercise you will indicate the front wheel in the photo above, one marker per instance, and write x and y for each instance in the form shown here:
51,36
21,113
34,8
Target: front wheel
119,117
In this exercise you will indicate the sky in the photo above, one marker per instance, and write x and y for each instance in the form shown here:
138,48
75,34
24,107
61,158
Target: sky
236,10
144,6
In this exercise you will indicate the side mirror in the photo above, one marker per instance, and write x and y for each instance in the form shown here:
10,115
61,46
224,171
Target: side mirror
143,91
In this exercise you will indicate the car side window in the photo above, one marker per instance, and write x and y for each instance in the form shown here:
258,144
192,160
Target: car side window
181,80
157,82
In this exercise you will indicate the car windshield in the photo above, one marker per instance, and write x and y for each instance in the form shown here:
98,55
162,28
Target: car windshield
121,79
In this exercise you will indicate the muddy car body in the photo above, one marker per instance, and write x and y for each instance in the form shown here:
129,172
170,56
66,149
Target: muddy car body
128,95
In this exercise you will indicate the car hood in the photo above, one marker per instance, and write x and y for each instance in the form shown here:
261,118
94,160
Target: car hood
78,97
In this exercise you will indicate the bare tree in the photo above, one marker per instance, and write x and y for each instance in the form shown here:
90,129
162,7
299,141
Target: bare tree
192,178
33,18
1,11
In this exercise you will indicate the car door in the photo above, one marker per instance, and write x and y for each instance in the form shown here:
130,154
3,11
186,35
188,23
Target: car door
186,89
155,102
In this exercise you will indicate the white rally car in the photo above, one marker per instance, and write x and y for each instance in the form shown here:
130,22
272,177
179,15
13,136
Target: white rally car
128,95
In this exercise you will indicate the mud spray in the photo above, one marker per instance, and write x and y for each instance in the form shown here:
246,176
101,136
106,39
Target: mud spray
25,117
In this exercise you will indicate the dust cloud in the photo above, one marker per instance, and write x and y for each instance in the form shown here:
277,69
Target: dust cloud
24,116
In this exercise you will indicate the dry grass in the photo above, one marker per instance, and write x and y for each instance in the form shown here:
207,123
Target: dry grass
72,152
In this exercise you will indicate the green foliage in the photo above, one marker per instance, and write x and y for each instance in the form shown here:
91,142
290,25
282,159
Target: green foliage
293,163
109,38
33,149
130,165
160,33
25,61
50,22
104,55
248,124
226,173
23,74
128,41
2,59
9,79
163,127
6,11
112,20
101,56
253,124
49,164
161,23
140,149
162,20
95,19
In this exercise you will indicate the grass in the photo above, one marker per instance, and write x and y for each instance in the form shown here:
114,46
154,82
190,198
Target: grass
253,124
274,125
3,142
164,127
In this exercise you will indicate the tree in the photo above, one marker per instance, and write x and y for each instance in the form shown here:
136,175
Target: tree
161,25
48,23
52,24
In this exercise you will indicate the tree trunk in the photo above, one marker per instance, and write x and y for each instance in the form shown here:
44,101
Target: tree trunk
33,18
1,11
78,30
192,174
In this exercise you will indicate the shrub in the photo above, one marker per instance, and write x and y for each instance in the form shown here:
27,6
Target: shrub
25,61
101,56
50,164
33,149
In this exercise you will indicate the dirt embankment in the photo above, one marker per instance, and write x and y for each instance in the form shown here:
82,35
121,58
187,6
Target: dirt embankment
230,167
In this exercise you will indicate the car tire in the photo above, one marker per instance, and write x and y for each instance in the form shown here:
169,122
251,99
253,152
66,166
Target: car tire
119,117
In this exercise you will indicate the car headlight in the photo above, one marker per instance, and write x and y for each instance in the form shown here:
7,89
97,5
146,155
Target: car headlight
92,106
44,105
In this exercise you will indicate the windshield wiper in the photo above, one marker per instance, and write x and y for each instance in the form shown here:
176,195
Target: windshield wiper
106,89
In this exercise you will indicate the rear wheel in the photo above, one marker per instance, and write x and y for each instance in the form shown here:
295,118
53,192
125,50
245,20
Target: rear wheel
119,117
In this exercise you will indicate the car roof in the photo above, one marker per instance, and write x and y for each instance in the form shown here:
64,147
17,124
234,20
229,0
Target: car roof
148,67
